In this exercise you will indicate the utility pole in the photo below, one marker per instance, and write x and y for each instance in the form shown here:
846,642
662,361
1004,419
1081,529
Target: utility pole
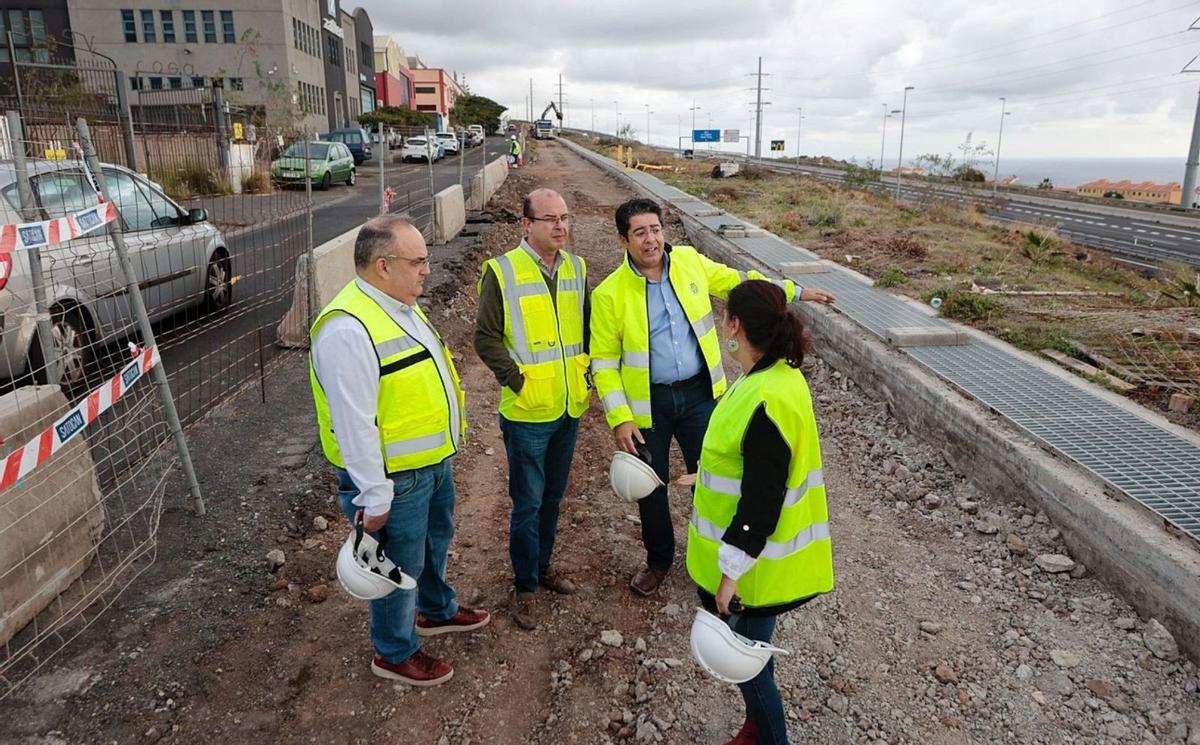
999,141
758,109
560,101
617,120
694,109
1188,198
883,138
648,113
531,100
593,114
799,124
900,157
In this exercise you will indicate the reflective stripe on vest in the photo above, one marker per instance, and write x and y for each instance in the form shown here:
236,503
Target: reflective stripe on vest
772,549
733,487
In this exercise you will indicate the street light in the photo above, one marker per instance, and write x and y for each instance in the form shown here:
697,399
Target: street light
799,124
999,140
694,109
593,114
617,126
883,137
900,157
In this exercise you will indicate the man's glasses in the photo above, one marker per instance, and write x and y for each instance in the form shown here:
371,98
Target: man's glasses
414,263
555,219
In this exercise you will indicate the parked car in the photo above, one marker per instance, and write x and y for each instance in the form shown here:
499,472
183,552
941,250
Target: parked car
180,259
418,148
330,161
477,130
450,142
355,139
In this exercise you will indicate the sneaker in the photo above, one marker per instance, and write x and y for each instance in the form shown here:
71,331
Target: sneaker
419,669
524,610
466,619
555,582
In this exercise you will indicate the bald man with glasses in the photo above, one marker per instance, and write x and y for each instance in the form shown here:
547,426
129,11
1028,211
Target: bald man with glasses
531,332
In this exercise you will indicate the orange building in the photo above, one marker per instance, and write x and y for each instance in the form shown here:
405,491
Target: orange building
1146,191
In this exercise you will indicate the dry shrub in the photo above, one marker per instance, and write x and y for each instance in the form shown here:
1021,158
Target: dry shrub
905,245
792,222
724,194
258,182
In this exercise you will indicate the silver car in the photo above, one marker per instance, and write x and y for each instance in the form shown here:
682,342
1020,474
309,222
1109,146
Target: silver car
180,260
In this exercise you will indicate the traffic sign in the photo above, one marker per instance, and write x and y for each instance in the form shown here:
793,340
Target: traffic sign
777,145
706,135
733,135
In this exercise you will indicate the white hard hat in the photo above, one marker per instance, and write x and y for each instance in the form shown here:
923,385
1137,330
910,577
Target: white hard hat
726,654
631,477
365,571
514,137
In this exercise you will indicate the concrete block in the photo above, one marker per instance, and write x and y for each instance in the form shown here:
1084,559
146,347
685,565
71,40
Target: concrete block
449,214
925,336
496,172
806,267
1180,402
709,213
334,268
52,520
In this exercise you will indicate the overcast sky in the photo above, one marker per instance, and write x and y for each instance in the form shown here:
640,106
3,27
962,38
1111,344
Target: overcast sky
1094,78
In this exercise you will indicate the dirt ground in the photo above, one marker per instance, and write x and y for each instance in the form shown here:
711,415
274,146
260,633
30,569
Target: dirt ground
943,628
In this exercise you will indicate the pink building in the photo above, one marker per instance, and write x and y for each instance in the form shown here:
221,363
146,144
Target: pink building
434,90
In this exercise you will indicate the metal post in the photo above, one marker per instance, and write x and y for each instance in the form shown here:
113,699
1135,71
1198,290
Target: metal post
799,124
999,141
648,113
310,273
758,115
222,131
1187,199
126,121
900,157
483,177
383,151
12,56
617,120
593,115
432,216
159,374
45,328
462,157
883,138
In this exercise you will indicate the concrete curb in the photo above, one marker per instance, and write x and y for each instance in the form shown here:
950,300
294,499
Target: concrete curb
1155,569
449,214
334,268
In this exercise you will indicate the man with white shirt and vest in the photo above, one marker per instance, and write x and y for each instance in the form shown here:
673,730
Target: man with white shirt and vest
656,359
531,331
392,414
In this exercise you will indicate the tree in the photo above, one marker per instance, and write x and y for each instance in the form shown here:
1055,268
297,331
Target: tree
966,173
1046,185
472,109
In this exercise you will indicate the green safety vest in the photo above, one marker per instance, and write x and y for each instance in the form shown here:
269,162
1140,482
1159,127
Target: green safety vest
413,415
797,561
620,339
543,335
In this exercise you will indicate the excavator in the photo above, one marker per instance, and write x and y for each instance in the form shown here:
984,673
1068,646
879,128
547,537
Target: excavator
543,127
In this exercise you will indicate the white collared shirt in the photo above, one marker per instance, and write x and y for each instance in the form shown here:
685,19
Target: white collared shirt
345,362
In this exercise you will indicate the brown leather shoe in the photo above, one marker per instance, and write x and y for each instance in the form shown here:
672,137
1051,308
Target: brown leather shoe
555,582
419,669
524,610
647,580
466,619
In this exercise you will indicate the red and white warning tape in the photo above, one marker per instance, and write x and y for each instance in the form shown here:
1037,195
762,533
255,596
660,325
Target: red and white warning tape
58,230
20,462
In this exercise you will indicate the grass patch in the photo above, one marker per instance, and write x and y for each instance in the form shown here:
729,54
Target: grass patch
891,277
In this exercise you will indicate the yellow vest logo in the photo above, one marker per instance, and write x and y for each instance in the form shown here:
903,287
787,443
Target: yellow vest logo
695,289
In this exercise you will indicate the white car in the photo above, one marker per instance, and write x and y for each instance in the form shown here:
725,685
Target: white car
449,141
418,148
180,258
477,130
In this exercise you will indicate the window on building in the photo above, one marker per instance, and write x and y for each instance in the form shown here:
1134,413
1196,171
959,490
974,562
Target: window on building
189,26
198,82
135,83
174,82
227,29
426,107
168,25
426,89
350,60
237,84
321,100
210,26
156,83
148,30
364,56
129,25
335,50
295,33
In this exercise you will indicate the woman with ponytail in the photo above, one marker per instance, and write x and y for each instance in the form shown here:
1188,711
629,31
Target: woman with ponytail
758,542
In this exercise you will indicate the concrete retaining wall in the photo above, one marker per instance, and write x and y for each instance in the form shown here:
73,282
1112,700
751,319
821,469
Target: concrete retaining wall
334,268
1155,569
449,214
496,171
51,521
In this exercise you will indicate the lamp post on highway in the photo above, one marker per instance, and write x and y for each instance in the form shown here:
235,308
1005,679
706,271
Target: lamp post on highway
648,113
617,125
999,140
883,137
799,124
593,114
900,157
694,109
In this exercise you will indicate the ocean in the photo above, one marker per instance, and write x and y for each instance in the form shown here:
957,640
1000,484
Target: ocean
1076,171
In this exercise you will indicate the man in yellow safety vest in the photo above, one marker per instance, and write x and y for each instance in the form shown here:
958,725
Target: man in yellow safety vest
656,359
531,331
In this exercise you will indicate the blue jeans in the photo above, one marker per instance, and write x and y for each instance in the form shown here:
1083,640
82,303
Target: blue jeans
539,462
681,413
419,528
763,703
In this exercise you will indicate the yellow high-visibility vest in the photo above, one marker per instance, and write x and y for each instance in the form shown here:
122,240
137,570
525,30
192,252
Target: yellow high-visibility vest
544,336
413,413
620,329
797,561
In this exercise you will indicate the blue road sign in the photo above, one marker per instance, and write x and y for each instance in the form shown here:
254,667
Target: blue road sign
706,135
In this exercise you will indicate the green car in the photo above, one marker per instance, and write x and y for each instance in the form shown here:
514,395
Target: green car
330,161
